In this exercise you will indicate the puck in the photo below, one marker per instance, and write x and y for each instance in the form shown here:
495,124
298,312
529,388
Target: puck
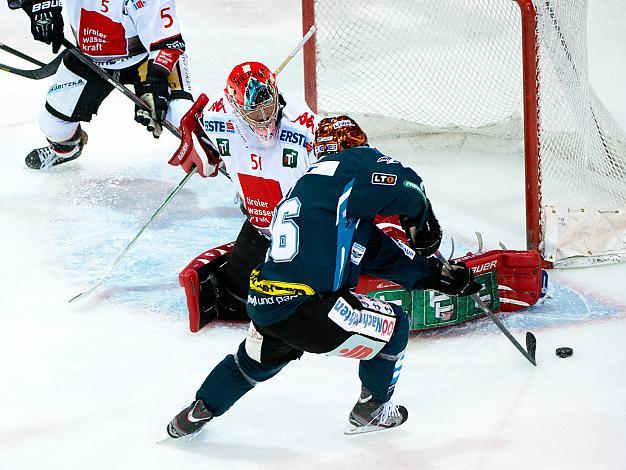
564,352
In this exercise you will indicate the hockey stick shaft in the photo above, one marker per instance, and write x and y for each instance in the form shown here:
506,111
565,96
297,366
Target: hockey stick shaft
21,55
45,71
132,242
504,330
296,49
531,341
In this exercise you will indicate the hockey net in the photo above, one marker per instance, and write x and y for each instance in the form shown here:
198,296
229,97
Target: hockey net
513,70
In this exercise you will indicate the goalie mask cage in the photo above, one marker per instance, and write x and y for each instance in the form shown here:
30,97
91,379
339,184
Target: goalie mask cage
477,66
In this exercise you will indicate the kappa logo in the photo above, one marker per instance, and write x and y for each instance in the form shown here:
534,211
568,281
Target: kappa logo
290,158
358,352
384,179
306,120
224,147
218,106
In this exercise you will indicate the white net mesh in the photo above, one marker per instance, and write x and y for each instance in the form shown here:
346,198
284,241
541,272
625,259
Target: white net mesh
456,66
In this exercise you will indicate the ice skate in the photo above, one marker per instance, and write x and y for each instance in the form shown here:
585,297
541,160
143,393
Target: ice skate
189,420
369,415
57,152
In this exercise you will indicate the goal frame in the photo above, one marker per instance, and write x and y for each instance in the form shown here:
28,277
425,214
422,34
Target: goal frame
531,110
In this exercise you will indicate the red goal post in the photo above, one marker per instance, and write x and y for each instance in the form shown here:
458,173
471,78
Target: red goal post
485,62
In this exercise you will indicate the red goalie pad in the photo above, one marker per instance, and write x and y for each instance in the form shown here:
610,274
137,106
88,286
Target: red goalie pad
192,278
512,280
519,274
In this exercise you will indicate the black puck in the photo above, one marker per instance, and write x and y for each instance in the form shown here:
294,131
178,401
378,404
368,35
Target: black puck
564,352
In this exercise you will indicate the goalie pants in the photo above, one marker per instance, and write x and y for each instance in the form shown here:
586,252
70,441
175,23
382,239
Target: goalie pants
234,279
316,326
77,92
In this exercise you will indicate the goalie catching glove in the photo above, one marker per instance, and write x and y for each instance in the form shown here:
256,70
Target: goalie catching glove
426,239
207,159
458,280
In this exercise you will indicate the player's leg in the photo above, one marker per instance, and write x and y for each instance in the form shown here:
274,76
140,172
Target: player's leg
258,358
358,327
75,95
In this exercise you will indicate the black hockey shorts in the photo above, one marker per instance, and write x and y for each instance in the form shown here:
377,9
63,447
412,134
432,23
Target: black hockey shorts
77,92
338,324
234,279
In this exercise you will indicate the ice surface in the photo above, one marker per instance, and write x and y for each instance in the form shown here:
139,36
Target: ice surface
93,385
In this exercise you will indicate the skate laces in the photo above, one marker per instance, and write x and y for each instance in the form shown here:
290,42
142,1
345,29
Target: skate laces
47,156
389,411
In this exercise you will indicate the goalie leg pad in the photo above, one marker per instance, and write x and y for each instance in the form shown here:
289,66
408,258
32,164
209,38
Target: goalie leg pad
199,281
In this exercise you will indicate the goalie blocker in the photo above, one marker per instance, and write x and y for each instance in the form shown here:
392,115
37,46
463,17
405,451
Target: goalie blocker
512,280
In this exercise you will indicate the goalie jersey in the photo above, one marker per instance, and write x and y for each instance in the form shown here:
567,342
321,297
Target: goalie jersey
262,173
323,235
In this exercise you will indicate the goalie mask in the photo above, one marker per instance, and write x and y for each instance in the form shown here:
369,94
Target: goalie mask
337,134
251,90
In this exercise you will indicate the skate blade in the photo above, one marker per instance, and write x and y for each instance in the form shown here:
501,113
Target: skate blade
188,438
351,430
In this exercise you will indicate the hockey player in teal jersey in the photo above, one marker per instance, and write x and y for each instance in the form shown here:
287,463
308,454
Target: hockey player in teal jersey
300,299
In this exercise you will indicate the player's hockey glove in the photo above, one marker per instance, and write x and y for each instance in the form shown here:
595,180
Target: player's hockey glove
426,239
458,280
196,149
155,92
46,21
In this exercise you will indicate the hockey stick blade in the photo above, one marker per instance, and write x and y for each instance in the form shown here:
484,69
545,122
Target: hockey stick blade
531,341
531,345
36,74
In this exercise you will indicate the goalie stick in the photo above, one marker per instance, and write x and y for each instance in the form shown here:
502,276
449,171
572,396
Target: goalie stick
83,58
531,341
44,70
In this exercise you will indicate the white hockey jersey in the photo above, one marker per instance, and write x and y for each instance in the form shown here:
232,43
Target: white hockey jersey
262,174
119,33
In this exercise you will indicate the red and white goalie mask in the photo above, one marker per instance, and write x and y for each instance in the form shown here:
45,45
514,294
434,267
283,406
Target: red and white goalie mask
251,89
